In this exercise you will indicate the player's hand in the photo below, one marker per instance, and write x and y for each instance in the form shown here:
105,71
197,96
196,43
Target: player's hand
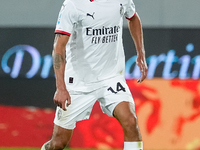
60,98
141,62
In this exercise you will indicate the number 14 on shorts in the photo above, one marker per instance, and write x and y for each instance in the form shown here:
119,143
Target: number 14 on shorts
119,87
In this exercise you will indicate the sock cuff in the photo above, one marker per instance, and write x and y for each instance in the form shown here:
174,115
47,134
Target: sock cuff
133,145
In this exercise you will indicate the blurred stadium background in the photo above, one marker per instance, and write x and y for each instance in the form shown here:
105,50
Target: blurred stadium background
167,103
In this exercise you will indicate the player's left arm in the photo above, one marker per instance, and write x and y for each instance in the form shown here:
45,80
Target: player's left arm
135,28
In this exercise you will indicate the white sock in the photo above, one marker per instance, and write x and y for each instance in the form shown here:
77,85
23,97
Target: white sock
43,147
133,145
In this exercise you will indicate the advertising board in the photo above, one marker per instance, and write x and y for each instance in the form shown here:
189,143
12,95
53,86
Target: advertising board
167,102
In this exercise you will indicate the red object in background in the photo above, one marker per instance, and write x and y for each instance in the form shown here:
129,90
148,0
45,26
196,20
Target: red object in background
31,127
192,86
25,126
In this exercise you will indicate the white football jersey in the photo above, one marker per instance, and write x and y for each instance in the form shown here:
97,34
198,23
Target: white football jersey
94,51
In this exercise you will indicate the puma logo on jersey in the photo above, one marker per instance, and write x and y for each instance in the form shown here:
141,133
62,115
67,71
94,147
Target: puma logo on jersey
91,15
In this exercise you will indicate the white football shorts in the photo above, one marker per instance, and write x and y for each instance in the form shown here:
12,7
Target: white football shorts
112,93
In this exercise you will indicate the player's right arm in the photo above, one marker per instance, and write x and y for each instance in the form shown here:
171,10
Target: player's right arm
61,95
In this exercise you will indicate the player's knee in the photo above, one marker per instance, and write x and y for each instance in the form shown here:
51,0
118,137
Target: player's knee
130,124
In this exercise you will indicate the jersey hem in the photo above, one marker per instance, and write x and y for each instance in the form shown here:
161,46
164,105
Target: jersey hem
92,86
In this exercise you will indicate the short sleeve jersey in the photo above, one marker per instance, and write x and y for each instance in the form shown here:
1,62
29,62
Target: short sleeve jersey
94,51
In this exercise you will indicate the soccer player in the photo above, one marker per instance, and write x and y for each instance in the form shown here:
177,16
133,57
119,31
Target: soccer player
89,63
